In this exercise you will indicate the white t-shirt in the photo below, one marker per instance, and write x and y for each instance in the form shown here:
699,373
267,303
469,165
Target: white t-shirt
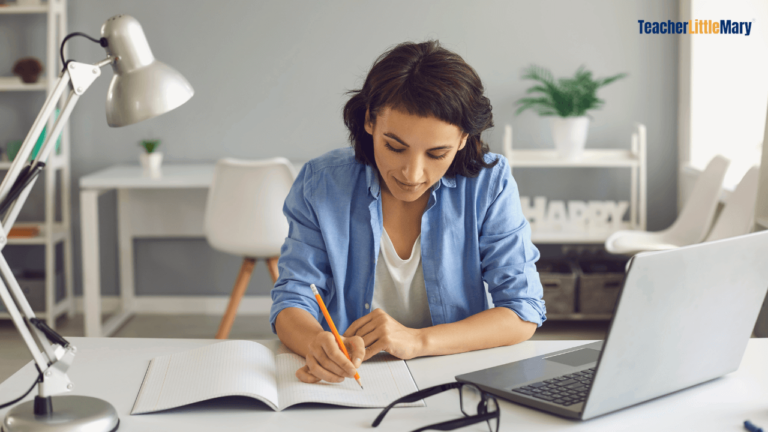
399,287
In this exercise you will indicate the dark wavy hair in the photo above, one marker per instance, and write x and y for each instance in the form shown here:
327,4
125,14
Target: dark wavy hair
426,80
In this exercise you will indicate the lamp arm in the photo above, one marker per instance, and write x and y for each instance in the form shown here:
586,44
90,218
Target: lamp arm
81,76
55,358
37,165
37,127
40,361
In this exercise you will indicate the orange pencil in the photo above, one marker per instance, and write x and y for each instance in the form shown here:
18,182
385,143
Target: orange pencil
333,329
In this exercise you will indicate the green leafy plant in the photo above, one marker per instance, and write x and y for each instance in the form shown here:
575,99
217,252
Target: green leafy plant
149,145
568,97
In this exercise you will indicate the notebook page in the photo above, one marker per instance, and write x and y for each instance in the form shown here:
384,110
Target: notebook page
232,368
384,377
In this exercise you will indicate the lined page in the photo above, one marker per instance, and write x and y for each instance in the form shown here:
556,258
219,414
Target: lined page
384,377
231,368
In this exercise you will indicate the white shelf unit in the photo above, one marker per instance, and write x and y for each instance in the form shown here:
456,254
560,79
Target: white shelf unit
579,317
52,231
16,84
16,9
634,159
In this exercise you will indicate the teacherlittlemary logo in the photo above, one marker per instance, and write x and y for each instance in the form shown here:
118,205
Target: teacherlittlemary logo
696,27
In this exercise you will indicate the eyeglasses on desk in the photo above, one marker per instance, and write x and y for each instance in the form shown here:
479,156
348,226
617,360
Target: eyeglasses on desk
476,405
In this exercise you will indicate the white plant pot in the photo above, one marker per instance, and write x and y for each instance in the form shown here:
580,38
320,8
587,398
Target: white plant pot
570,135
151,162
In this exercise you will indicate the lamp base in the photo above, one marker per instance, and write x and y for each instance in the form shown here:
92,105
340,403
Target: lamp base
70,414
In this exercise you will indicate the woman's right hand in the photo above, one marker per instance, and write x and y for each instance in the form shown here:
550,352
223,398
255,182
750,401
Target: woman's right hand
326,361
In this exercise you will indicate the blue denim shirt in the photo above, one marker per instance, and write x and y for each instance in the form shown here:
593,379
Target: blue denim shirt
473,230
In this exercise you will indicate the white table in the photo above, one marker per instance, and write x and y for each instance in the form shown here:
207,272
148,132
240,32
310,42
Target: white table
113,368
170,206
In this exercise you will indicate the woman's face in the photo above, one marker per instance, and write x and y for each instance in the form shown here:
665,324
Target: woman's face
412,153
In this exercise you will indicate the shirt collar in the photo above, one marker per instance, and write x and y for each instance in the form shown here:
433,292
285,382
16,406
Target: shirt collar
372,180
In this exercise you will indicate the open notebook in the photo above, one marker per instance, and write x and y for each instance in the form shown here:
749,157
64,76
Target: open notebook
246,368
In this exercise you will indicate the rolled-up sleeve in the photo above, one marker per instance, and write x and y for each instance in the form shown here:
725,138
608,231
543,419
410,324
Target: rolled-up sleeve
507,254
303,256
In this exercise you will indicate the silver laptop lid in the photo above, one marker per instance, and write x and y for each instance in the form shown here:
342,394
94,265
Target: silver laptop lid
684,317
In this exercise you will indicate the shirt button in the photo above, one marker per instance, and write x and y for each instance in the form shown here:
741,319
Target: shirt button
367,306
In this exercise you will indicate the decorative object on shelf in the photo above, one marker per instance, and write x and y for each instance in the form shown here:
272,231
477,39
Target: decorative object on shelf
634,160
151,160
24,232
28,69
567,101
578,217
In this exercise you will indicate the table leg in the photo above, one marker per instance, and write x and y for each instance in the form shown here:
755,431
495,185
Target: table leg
125,248
89,217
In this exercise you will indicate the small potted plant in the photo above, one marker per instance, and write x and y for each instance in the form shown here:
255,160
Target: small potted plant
567,102
151,159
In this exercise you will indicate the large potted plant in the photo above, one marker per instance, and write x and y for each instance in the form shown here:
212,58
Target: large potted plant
567,102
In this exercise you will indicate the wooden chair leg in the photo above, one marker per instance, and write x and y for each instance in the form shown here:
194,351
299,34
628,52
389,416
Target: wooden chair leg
272,265
241,284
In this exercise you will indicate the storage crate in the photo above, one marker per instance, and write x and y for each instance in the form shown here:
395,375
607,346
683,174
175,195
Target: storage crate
558,278
33,287
599,284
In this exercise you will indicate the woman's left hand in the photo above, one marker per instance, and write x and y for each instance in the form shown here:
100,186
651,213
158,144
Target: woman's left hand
381,332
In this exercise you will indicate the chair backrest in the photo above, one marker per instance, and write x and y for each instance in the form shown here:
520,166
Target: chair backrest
695,219
244,211
738,215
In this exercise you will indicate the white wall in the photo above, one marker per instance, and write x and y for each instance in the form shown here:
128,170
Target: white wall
270,78
729,89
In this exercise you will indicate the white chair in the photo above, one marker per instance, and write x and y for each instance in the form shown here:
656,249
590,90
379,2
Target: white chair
738,215
691,225
244,216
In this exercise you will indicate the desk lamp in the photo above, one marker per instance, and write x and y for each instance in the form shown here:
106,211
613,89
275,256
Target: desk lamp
141,88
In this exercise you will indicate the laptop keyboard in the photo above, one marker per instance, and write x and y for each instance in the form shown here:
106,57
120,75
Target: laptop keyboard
564,390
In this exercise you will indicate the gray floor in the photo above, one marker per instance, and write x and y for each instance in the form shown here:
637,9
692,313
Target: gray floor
14,354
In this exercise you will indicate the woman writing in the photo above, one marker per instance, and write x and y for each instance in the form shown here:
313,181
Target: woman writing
400,231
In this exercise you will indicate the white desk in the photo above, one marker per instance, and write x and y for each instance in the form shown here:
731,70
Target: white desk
170,206
112,369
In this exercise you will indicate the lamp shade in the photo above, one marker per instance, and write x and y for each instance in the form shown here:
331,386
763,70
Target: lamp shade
141,87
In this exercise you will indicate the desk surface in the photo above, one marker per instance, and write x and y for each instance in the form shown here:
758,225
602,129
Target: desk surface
191,176
134,176
113,368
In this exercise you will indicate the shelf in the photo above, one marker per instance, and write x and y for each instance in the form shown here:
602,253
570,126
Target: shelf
59,309
53,162
590,159
579,317
14,83
59,234
14,9
576,237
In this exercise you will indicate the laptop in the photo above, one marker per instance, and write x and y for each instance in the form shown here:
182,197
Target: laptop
683,317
